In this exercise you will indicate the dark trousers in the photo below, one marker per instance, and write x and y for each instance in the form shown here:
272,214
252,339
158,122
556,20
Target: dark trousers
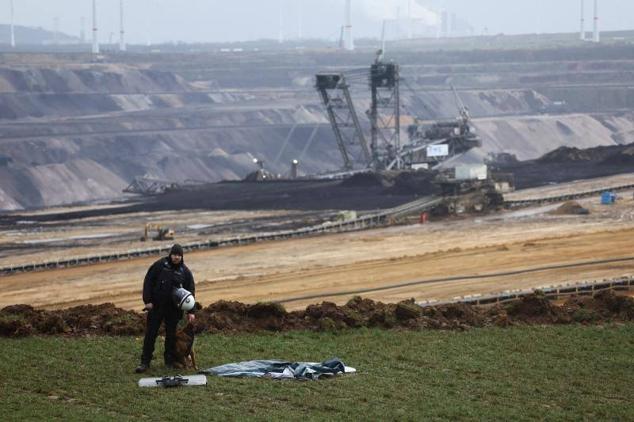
155,317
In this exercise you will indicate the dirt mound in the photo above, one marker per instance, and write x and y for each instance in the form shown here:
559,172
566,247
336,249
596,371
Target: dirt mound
106,319
568,154
570,208
236,317
226,316
605,155
567,164
461,316
604,305
536,309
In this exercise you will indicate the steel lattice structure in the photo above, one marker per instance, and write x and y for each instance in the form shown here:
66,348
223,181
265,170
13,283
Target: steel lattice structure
335,95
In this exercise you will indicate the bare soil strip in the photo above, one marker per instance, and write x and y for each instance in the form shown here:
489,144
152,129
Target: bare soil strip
308,267
460,278
372,261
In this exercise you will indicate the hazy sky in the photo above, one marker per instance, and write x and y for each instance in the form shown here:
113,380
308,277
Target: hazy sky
227,20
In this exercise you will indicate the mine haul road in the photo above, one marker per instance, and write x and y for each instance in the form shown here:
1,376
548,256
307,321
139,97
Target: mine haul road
333,267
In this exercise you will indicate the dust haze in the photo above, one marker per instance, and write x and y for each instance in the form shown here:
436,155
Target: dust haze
158,21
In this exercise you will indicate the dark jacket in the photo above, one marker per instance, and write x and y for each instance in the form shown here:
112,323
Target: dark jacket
162,278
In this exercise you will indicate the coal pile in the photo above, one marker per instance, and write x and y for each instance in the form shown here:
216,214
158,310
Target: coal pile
364,180
304,194
624,157
395,182
566,164
571,154
418,183
570,208
236,317
615,154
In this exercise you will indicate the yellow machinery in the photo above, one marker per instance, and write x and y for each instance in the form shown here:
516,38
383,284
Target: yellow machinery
161,233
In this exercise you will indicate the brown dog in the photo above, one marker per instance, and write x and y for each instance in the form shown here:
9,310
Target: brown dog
184,356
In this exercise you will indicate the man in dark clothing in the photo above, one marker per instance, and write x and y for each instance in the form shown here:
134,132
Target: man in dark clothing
162,278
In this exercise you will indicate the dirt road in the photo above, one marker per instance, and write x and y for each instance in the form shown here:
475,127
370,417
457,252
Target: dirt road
32,241
329,265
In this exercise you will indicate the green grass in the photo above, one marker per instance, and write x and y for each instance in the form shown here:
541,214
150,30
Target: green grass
555,373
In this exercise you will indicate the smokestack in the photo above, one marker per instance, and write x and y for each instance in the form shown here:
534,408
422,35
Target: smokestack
12,27
348,41
582,32
122,46
95,40
596,37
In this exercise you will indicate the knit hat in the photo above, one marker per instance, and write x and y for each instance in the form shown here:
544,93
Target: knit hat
176,250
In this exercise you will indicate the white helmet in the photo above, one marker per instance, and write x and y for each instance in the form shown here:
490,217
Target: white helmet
183,299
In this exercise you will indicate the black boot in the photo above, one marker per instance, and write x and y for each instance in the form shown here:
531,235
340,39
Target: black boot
142,368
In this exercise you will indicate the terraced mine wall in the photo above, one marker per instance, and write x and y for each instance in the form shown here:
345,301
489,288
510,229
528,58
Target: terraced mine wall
74,131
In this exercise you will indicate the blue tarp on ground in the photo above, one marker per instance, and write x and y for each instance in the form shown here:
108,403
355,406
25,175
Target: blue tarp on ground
279,369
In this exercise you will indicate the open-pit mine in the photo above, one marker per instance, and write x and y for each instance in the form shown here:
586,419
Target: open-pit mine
241,157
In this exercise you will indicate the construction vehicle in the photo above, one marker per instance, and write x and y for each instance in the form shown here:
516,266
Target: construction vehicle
435,147
161,232
428,146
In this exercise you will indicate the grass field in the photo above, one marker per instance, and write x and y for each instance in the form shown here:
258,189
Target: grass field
555,373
